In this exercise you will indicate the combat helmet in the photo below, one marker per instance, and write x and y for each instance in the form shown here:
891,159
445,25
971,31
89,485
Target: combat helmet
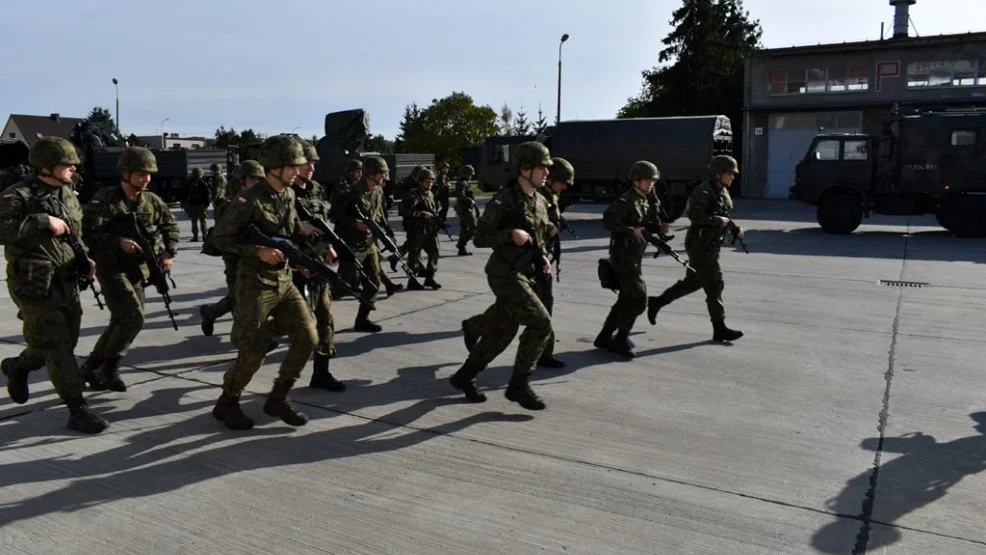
281,150
49,152
311,154
724,164
467,171
197,172
214,168
644,170
251,168
138,159
531,154
561,170
374,165
354,165
425,173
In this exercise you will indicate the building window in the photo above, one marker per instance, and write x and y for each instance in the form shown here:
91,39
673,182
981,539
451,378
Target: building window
856,150
819,80
778,82
859,78
953,73
816,80
963,138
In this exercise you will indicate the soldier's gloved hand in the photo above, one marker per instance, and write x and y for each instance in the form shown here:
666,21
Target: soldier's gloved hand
129,245
304,272
520,237
165,261
57,226
92,269
270,256
638,234
308,229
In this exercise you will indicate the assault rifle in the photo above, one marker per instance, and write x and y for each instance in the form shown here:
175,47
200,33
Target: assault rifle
297,258
133,229
387,239
343,251
530,258
435,219
54,207
660,243
733,230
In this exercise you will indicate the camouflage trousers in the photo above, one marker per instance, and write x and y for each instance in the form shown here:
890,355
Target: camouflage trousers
516,305
372,267
125,300
707,276
467,227
319,300
480,324
427,242
264,312
632,301
226,304
51,332
198,214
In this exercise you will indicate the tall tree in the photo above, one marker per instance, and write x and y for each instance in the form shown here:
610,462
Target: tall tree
379,143
506,121
101,115
225,138
701,66
448,126
521,125
411,129
540,124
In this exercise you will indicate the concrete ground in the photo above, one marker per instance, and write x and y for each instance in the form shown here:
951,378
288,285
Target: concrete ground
849,419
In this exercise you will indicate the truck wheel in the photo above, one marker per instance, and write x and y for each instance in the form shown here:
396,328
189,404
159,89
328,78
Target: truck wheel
965,216
840,213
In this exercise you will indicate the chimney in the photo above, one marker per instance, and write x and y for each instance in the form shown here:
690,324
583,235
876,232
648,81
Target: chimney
54,117
902,17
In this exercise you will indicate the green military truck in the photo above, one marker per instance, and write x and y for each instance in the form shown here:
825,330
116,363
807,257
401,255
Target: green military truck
925,162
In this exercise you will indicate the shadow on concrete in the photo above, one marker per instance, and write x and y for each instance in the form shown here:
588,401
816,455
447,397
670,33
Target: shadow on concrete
920,477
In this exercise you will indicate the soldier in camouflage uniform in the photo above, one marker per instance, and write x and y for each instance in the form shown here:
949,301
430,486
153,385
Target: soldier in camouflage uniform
626,219
250,172
308,193
21,172
368,196
267,302
443,191
197,195
354,172
120,269
708,210
220,191
42,280
516,225
419,211
465,208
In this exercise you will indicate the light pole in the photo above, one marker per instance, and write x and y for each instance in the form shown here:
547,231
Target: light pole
558,107
116,84
164,144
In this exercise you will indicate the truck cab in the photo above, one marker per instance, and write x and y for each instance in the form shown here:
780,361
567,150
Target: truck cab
836,175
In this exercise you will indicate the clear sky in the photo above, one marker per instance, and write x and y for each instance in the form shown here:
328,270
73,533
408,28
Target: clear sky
277,66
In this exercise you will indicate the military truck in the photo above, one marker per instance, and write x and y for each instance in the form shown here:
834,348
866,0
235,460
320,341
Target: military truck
14,165
925,162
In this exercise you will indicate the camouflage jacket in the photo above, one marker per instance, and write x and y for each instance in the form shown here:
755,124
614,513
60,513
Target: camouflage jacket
35,257
197,192
371,203
313,199
629,211
337,196
466,198
411,206
512,209
102,229
274,215
218,185
554,211
708,206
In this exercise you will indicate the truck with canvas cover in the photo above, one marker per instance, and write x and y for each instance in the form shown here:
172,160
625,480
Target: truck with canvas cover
924,162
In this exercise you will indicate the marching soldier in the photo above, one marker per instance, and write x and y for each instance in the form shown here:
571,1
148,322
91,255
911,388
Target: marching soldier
268,303
627,219
197,195
516,225
442,191
309,194
465,209
120,266
708,210
419,211
42,279
220,191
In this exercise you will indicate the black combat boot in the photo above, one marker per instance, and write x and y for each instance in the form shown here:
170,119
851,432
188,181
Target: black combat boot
519,391
392,287
81,419
468,337
228,411
604,338
430,281
208,321
464,252
621,345
16,381
322,378
414,285
279,404
109,374
551,362
654,305
465,381
272,344
363,322
722,333
91,375
394,260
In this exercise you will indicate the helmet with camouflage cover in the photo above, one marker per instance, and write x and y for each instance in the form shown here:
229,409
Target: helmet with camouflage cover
214,168
467,171
197,172
251,168
644,170
416,172
724,164
310,153
444,166
374,165
281,150
53,151
138,159
561,170
531,154
425,173
354,165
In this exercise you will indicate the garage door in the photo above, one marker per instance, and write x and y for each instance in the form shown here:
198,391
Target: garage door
788,138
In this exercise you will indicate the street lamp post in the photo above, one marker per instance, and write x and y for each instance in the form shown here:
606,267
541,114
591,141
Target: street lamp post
164,143
116,84
558,106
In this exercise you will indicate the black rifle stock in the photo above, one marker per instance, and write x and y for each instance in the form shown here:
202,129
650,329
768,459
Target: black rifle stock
387,240
343,251
531,257
133,229
54,207
733,230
